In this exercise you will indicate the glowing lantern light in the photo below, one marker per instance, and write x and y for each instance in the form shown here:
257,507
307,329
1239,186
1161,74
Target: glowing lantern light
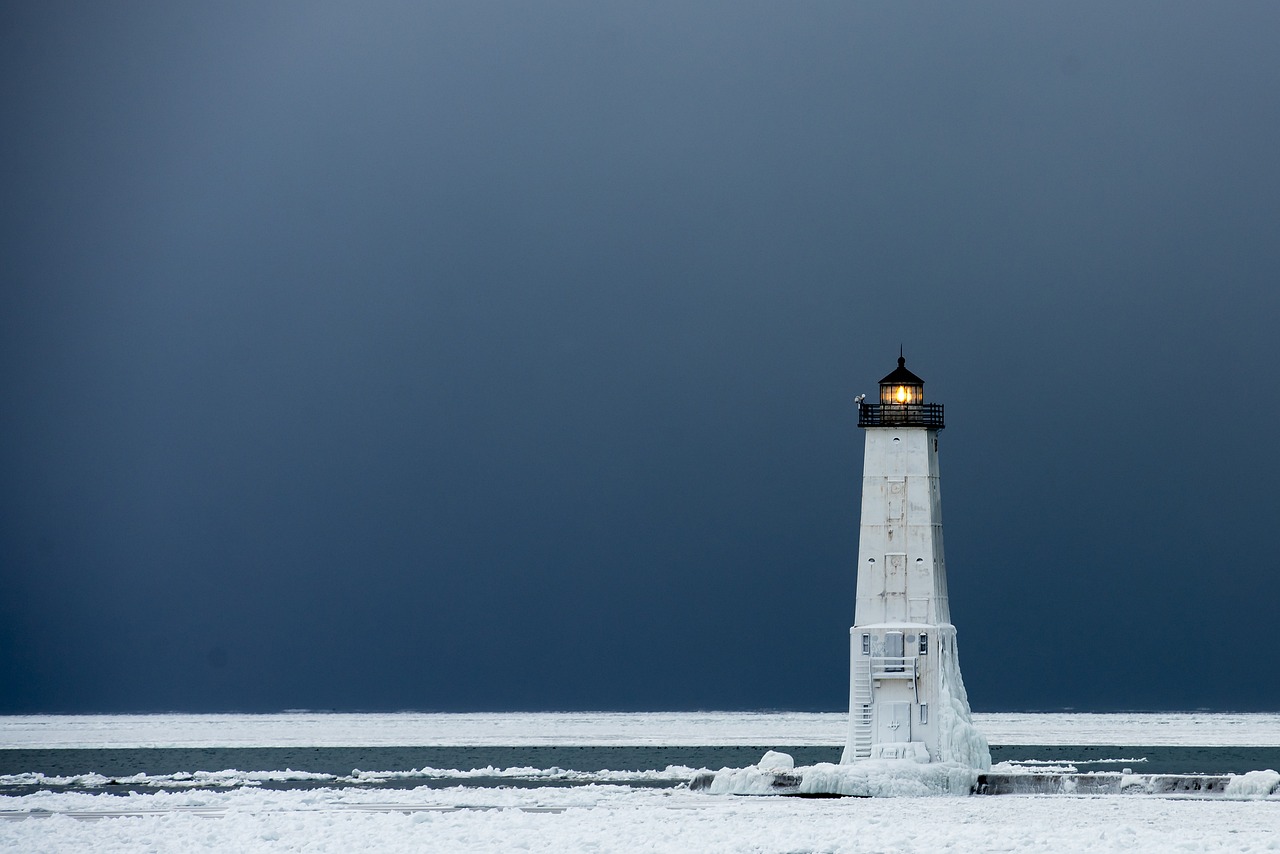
901,388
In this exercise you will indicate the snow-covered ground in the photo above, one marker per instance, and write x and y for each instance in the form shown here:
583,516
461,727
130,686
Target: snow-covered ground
609,818
415,729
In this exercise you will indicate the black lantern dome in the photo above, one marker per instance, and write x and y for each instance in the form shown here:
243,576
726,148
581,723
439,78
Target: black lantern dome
901,403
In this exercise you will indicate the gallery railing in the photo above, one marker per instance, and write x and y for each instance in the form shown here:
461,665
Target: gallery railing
900,415
895,667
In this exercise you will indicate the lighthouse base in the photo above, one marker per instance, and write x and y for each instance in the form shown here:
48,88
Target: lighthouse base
906,697
878,778
915,751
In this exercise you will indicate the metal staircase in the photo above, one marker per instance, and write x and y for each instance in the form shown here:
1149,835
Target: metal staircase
862,712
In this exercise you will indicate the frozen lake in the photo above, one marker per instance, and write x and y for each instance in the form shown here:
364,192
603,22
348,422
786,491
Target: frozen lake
609,819
315,729
564,808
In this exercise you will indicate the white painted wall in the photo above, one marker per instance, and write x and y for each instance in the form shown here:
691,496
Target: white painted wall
916,706
902,576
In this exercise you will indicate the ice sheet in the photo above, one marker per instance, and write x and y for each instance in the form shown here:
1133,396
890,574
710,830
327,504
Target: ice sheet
765,729
611,818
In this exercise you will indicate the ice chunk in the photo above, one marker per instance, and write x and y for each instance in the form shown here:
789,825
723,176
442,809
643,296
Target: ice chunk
1254,784
958,739
774,760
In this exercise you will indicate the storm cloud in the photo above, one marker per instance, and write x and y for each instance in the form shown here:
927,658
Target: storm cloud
501,356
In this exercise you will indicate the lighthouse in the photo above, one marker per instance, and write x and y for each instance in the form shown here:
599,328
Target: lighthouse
906,697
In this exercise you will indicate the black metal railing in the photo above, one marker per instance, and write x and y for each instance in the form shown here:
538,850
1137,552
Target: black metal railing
900,415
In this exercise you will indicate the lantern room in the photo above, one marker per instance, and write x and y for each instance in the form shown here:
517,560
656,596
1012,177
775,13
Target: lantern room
901,387
901,403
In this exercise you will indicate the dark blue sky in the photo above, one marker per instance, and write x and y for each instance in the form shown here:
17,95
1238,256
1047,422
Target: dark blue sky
501,355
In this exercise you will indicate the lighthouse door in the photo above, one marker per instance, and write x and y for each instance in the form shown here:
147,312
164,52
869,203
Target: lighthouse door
893,722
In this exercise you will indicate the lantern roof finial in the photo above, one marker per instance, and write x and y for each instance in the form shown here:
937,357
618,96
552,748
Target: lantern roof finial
901,376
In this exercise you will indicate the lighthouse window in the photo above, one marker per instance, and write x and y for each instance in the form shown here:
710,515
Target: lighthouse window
924,646
924,713
866,644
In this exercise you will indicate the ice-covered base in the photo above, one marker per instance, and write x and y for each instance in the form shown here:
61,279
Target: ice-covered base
776,775
913,750
959,741
877,778
950,738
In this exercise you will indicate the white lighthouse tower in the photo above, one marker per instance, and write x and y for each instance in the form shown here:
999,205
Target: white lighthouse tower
906,697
